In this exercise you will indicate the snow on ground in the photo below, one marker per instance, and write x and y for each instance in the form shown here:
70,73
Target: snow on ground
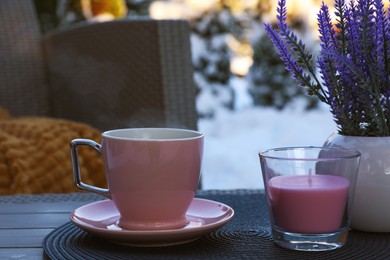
234,138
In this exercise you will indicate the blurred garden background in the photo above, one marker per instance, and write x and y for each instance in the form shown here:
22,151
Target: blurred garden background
246,100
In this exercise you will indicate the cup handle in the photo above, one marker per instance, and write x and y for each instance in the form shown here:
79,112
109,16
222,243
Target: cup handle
76,166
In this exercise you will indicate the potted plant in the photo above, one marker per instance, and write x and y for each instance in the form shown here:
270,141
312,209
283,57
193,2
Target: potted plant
353,79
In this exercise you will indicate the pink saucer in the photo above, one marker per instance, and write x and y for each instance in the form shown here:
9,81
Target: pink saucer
203,216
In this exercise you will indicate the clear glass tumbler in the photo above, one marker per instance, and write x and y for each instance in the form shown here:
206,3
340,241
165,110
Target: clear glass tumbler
309,192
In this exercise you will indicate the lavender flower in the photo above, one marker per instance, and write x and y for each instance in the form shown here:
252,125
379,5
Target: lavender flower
353,64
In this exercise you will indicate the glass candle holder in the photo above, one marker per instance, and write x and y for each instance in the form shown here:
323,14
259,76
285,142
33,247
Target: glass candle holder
309,192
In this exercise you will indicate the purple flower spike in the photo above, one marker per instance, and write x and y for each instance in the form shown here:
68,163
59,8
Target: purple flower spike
353,63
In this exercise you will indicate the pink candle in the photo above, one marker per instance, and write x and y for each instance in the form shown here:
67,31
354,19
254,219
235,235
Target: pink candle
308,204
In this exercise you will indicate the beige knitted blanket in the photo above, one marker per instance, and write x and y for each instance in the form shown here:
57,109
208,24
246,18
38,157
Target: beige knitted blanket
35,155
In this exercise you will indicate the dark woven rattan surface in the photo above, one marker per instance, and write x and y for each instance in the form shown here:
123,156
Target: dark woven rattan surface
246,236
22,74
124,73
129,73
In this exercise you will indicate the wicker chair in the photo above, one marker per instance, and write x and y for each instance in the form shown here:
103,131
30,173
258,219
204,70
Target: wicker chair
125,73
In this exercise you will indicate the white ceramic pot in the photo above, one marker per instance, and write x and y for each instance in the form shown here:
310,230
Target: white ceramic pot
371,205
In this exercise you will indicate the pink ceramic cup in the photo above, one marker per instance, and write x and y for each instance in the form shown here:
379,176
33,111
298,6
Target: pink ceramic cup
152,174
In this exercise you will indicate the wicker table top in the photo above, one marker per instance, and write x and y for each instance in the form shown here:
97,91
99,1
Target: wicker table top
34,224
